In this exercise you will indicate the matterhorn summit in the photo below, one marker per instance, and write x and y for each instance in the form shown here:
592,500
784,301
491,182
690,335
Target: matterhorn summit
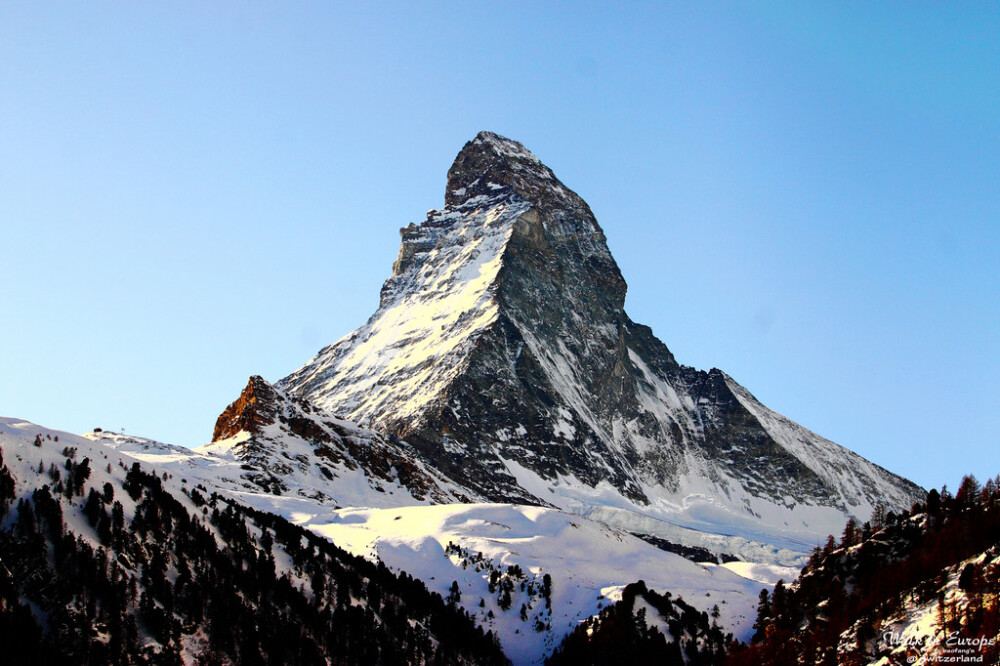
501,353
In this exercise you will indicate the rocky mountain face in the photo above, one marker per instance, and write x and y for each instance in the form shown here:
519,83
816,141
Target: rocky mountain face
285,446
501,352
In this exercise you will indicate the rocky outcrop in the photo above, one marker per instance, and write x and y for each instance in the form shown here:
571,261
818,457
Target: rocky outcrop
251,412
287,446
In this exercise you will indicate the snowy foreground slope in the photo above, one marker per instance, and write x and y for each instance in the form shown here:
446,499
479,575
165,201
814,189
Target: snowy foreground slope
588,563
108,560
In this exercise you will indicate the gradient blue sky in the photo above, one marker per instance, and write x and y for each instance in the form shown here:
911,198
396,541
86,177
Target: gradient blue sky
806,195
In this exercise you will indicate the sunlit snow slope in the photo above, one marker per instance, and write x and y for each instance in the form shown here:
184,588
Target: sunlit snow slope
589,564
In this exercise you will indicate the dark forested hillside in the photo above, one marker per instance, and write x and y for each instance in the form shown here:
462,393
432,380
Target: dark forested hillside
108,566
644,628
921,584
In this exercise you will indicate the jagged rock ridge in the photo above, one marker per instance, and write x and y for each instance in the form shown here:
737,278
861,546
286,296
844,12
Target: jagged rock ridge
501,351
285,446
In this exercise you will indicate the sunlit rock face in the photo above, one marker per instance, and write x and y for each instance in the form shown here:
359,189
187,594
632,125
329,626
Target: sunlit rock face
501,351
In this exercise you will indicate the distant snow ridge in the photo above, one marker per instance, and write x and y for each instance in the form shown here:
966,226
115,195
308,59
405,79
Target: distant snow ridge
501,353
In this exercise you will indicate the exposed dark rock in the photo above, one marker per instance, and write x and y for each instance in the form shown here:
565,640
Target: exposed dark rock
693,553
254,409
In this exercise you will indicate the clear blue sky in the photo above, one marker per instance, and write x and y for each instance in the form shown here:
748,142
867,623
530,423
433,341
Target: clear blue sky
806,195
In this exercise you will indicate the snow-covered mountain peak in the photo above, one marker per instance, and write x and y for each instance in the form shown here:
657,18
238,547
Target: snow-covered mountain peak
491,164
501,352
511,245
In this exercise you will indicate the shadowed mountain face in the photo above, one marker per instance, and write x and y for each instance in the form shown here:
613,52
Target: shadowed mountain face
501,352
